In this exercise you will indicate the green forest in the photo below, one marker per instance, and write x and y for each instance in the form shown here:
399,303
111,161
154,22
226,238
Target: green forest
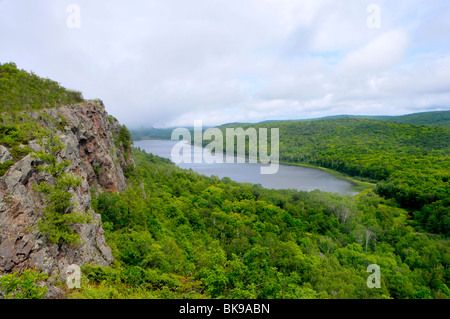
434,118
438,118
410,164
177,234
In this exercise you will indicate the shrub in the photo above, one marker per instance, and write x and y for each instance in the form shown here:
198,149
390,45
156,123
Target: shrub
24,285
58,215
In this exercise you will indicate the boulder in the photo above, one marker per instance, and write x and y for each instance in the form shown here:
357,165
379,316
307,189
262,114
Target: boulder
5,155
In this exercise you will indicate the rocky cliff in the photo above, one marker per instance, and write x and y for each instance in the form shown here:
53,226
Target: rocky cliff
91,144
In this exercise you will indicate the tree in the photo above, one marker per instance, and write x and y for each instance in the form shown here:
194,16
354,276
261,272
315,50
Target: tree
368,235
58,216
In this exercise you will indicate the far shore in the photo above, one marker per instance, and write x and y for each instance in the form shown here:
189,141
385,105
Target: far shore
358,185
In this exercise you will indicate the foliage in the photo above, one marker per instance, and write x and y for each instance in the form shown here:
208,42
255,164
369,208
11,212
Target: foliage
177,234
15,136
410,163
124,140
433,118
5,166
125,137
21,90
24,285
438,118
58,216
221,239
21,94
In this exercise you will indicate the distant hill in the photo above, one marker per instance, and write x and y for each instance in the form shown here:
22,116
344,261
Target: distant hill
438,118
435,118
151,133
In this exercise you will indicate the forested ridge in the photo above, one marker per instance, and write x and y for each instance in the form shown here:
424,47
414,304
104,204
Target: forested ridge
178,234
437,118
410,164
434,118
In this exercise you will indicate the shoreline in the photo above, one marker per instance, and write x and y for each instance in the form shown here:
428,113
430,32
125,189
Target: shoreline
357,185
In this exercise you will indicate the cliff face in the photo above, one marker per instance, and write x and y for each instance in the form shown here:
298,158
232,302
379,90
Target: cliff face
90,136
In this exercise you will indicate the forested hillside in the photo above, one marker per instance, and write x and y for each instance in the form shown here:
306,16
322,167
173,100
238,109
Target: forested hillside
436,118
411,164
177,234
439,118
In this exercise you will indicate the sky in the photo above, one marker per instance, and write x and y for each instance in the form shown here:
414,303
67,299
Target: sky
167,63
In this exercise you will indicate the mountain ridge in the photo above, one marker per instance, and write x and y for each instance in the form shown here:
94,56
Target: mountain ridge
435,118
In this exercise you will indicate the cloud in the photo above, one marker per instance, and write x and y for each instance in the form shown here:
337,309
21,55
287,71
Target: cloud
170,62
380,54
427,82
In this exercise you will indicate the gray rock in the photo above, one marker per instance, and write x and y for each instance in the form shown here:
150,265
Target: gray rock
54,292
5,155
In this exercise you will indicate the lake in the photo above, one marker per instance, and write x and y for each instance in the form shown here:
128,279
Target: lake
288,176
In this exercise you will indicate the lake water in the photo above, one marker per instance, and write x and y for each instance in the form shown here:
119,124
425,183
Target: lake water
287,177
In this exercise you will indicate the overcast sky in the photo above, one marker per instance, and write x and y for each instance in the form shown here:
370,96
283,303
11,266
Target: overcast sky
169,62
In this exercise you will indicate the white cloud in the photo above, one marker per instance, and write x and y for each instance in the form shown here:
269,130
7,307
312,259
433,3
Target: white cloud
170,62
382,53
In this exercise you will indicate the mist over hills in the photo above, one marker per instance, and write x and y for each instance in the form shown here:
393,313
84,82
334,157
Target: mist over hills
433,118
